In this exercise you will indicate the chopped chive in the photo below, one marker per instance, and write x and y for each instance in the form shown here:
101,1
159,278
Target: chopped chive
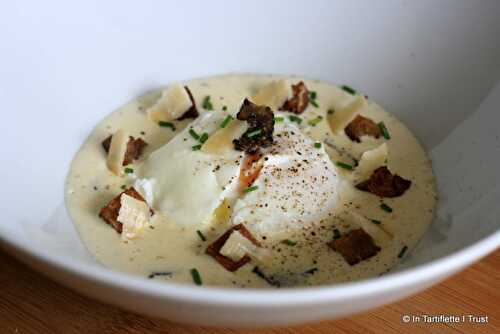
200,234
383,128
311,271
196,276
349,89
203,137
194,134
385,207
226,121
314,103
377,222
254,133
336,234
224,108
196,147
289,242
331,111
403,251
344,165
313,95
317,145
167,125
250,189
315,121
279,119
123,187
295,119
129,170
207,104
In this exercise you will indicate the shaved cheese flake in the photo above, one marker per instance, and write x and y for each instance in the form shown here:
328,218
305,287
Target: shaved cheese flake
134,215
174,102
222,140
371,160
237,246
117,150
343,116
274,94
145,188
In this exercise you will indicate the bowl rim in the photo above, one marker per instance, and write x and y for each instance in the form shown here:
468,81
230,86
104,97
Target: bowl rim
251,297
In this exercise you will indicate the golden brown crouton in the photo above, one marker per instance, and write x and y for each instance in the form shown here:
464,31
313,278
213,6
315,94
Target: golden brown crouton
134,148
300,99
384,184
214,249
110,212
355,246
362,126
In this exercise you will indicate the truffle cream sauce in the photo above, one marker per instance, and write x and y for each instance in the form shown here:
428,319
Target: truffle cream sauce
173,250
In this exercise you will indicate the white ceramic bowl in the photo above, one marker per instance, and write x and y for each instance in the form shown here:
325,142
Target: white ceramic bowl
65,65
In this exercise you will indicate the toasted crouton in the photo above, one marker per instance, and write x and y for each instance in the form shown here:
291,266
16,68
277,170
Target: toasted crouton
111,211
135,147
355,246
214,249
300,100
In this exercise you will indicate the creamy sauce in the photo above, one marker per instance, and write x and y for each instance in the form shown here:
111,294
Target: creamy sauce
170,247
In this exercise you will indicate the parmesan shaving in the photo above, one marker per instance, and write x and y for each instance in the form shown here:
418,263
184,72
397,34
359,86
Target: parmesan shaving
117,150
174,102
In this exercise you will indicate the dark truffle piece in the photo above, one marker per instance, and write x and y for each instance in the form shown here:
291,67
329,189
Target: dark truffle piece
300,99
135,148
214,249
385,184
260,130
362,126
355,246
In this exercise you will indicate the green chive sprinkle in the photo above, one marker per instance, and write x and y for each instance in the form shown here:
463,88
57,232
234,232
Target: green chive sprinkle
336,234
194,134
349,89
330,111
129,170
383,128
167,125
202,237
377,222
403,251
314,103
196,147
224,108
123,187
344,165
203,137
279,119
313,95
254,133
315,121
250,189
207,104
196,276
295,119
289,242
317,145
226,121
385,207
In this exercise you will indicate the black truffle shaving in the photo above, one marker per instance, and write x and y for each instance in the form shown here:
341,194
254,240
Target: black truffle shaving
260,121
